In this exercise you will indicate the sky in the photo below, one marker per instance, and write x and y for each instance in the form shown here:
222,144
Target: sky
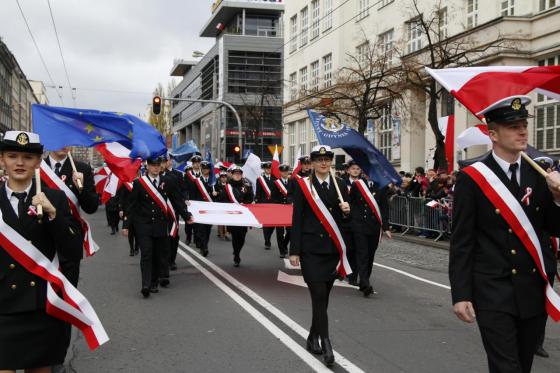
116,51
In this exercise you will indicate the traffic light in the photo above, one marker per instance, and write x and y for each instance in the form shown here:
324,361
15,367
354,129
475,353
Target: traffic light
156,105
237,154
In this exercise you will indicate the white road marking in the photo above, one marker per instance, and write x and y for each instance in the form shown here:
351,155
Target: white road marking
340,360
413,276
296,348
299,281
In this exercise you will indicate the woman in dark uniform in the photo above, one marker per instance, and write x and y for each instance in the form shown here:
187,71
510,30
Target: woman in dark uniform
30,339
112,213
238,190
312,246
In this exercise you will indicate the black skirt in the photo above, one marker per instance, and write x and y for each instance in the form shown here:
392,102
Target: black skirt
318,267
31,340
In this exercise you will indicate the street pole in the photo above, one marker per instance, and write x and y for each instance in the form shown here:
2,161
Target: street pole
228,105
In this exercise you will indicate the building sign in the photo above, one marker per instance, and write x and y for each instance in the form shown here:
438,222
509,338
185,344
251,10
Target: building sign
257,134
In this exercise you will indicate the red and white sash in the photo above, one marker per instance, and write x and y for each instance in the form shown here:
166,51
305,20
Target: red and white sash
164,204
514,215
202,189
231,196
191,176
54,182
281,187
264,185
555,244
72,307
322,213
372,203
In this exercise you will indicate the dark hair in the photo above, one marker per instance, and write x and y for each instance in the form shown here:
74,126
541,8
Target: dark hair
420,170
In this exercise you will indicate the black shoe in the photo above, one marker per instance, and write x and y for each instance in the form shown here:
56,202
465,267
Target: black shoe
328,355
112,232
353,281
205,253
154,289
236,261
368,290
164,282
267,246
145,292
282,256
173,267
131,253
313,345
540,351
188,242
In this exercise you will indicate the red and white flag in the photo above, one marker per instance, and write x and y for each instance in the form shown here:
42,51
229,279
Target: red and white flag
477,135
112,186
479,87
276,163
447,129
433,204
118,160
100,179
252,215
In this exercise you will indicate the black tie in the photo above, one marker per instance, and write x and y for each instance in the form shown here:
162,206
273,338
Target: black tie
514,183
57,168
325,185
21,203
154,181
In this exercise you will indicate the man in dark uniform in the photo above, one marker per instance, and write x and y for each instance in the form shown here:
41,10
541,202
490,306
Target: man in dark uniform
202,192
190,176
493,277
87,198
280,195
263,194
152,224
366,228
352,172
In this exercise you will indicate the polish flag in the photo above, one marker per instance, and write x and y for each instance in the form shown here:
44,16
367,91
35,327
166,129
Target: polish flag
479,87
100,179
477,135
297,163
447,128
118,160
221,164
276,163
110,189
433,204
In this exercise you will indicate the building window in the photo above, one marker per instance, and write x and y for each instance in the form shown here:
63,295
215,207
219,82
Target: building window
327,15
292,154
443,22
508,7
327,70
316,18
303,81
304,27
293,34
472,13
414,36
385,132
302,124
546,4
547,127
254,72
261,25
362,53
383,3
293,86
386,44
363,9
314,76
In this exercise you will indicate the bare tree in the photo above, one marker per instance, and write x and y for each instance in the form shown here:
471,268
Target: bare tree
440,51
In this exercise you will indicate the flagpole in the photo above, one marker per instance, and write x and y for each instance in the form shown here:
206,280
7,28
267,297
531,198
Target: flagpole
336,186
37,192
78,181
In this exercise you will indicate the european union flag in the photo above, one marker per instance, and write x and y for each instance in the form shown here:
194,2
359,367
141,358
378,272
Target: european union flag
338,135
185,151
59,127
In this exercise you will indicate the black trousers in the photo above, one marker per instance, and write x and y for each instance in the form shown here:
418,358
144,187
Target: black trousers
267,233
320,292
202,235
132,238
365,246
173,247
551,278
351,252
154,258
509,341
188,232
283,239
71,270
237,239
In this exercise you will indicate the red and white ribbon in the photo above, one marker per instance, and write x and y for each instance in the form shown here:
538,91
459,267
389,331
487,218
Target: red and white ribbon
163,204
202,189
191,176
281,187
54,182
525,198
514,215
72,307
322,213
174,225
368,196
231,196
264,185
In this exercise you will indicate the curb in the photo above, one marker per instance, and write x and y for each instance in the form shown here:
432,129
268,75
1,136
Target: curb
442,245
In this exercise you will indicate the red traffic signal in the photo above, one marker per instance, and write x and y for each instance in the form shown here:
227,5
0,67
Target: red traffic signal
156,105
237,149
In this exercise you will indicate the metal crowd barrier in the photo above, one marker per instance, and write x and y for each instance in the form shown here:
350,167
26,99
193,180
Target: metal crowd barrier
413,213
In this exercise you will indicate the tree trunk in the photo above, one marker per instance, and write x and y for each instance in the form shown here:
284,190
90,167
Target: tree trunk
440,160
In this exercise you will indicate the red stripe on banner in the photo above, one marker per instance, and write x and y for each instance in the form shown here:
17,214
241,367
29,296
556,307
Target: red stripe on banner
450,143
272,214
511,219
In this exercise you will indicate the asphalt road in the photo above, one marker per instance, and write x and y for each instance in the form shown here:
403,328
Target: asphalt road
217,318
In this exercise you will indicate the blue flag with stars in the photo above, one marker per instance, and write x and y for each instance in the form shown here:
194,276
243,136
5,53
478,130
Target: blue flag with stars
59,127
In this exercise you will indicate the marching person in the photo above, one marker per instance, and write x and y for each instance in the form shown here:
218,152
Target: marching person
320,253
202,192
280,195
369,212
353,172
87,198
30,338
238,191
112,213
151,209
263,194
304,171
494,279
219,195
191,175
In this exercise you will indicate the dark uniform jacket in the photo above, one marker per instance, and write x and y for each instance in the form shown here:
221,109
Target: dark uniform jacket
363,219
183,187
242,191
260,193
146,215
196,194
307,233
278,196
191,186
488,264
20,290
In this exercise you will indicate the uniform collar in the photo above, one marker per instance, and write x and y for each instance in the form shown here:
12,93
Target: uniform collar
504,165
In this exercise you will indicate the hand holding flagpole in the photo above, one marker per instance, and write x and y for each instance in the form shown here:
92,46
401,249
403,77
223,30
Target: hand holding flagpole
343,203
78,181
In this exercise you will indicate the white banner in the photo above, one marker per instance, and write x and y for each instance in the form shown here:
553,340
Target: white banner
214,213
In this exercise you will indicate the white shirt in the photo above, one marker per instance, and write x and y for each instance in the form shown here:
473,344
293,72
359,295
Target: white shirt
53,162
13,199
328,180
154,180
504,165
